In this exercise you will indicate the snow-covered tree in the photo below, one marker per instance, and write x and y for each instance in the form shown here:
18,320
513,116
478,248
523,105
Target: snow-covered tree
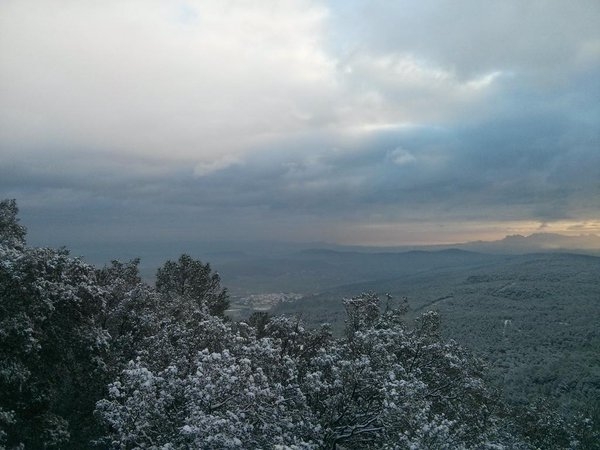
194,281
130,311
382,386
390,385
232,391
52,351
12,234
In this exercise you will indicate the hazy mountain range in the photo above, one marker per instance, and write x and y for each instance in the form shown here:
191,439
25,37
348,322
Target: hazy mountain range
254,254
509,245
537,242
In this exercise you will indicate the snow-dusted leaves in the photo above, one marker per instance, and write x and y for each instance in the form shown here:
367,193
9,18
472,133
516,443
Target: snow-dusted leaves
226,401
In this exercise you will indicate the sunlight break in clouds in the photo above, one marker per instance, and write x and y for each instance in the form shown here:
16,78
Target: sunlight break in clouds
384,234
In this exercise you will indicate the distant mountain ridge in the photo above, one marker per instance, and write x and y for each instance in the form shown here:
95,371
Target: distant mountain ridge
535,242
257,254
515,244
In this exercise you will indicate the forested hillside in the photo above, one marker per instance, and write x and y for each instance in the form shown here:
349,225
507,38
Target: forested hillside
532,317
95,357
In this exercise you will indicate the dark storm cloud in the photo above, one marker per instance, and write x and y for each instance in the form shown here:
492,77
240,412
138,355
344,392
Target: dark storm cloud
514,168
540,166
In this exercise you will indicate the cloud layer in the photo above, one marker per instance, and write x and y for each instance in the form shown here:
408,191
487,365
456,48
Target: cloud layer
344,121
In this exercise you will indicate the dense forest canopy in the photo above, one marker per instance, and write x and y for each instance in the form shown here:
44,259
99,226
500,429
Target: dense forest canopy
95,357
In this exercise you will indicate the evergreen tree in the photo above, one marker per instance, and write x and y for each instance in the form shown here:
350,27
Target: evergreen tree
12,234
52,349
190,279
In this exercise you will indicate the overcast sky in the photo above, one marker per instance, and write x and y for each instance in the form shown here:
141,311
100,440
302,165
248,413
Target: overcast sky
348,121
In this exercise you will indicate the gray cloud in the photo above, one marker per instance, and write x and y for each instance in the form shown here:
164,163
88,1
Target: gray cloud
544,37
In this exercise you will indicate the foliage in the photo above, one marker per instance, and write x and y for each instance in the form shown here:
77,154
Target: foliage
532,318
384,385
67,329
128,313
52,350
190,279
12,234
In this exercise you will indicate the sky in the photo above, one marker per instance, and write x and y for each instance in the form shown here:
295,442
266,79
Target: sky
342,121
